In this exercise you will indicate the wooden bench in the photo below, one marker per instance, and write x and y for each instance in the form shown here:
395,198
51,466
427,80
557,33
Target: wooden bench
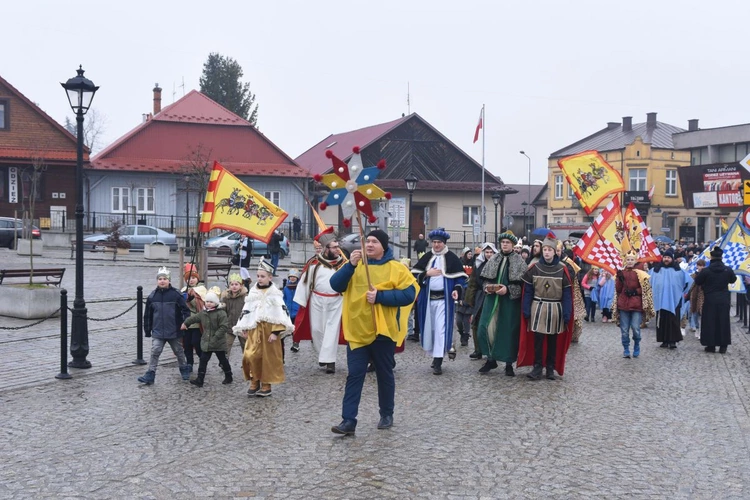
105,244
46,276
219,270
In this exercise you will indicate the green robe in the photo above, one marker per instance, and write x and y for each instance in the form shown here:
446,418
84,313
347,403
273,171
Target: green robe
500,323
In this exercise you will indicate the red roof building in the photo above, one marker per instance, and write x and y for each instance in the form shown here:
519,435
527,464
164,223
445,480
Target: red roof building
29,137
159,167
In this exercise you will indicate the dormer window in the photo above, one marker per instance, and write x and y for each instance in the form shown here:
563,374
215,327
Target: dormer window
4,114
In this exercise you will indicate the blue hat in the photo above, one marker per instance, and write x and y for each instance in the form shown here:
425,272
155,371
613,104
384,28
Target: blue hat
439,234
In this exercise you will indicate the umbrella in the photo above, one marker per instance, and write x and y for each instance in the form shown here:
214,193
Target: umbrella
664,239
542,231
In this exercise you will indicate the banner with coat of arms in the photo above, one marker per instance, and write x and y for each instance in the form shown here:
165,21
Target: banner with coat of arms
232,205
591,178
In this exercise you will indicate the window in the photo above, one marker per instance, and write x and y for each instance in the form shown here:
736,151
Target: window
571,194
638,179
120,199
4,114
273,197
671,183
557,219
144,198
741,151
469,213
558,187
726,154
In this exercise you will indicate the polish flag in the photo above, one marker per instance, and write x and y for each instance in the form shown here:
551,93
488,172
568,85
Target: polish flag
479,125
651,191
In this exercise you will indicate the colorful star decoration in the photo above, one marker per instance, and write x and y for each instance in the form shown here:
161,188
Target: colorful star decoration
352,186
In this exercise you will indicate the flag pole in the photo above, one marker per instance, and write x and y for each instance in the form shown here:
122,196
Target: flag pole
481,225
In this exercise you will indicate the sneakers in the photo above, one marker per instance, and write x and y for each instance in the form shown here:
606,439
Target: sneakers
147,378
626,352
254,386
491,364
636,350
295,347
346,428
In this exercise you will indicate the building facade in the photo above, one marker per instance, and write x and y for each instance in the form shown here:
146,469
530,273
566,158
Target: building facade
648,161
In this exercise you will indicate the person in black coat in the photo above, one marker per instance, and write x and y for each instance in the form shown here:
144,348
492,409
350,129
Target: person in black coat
715,326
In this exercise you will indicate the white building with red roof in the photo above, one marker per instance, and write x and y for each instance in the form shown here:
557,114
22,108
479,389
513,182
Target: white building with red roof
156,172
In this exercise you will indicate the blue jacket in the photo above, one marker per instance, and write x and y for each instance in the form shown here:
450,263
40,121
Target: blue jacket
166,309
389,298
291,306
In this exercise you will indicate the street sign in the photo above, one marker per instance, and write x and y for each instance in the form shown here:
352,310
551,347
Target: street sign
746,193
746,217
477,226
745,163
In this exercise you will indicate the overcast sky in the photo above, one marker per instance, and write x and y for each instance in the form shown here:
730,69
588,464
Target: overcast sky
549,72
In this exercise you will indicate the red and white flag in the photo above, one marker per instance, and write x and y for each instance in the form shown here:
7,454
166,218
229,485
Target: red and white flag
479,125
651,191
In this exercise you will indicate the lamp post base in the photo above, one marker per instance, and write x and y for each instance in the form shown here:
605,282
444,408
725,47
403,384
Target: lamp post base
79,363
79,337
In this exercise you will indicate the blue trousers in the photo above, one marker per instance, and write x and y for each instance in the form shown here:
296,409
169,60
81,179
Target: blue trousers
381,353
630,320
275,262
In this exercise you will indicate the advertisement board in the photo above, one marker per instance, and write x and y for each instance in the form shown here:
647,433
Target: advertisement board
705,200
730,198
724,178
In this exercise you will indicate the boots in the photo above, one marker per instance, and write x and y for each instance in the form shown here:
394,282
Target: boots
550,373
509,370
147,378
636,349
198,381
227,377
626,352
437,366
253,389
331,368
536,373
491,364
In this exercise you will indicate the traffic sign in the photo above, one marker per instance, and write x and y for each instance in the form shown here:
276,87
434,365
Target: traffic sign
745,163
746,217
746,192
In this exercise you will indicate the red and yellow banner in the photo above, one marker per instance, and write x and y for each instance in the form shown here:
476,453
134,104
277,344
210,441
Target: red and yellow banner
591,178
233,206
604,241
639,236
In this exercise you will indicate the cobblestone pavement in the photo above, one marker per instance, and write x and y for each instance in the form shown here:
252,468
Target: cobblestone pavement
671,424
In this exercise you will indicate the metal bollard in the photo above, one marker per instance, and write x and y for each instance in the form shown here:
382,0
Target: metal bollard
139,327
64,375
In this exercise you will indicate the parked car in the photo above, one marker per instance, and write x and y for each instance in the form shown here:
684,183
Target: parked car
350,242
11,228
227,243
138,236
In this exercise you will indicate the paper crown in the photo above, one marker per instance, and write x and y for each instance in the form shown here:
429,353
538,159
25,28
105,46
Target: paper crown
163,271
235,277
265,266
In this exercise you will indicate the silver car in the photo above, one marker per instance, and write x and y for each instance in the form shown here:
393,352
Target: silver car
138,236
226,243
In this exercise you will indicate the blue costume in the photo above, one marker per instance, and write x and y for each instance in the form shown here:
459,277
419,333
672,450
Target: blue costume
669,282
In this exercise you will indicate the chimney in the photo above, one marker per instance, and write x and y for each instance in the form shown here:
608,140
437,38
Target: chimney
612,125
650,120
693,125
627,123
157,98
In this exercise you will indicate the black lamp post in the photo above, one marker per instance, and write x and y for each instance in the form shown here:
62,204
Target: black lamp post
80,92
496,197
411,186
525,224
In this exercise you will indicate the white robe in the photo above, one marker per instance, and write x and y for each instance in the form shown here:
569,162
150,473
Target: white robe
324,309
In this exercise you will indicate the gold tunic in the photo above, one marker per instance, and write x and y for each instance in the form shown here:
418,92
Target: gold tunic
261,359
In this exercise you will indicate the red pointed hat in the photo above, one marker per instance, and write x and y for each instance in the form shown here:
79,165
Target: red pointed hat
326,236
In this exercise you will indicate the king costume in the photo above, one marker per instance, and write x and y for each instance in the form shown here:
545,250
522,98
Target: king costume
319,315
500,322
435,304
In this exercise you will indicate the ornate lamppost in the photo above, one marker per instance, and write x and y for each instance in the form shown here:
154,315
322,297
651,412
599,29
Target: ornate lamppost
80,92
411,186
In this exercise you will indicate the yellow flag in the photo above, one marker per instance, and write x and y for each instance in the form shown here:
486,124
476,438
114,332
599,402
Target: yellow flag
233,206
724,226
591,178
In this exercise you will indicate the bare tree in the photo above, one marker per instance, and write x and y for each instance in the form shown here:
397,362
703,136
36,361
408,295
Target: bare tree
32,175
93,128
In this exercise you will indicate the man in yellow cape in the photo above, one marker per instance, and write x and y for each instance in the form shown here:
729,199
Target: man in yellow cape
374,321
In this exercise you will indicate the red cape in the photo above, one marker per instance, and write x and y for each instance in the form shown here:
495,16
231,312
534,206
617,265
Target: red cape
526,343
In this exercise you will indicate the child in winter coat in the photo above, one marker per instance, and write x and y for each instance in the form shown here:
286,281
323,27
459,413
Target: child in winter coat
289,289
233,299
214,324
264,321
165,310
193,292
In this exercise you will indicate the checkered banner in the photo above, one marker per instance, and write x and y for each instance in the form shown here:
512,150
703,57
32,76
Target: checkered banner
735,244
640,237
598,247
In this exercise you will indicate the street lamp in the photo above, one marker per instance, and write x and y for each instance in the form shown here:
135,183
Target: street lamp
525,224
529,199
411,186
496,197
80,92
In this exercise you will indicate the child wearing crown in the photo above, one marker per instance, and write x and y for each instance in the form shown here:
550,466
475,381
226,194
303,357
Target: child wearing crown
263,323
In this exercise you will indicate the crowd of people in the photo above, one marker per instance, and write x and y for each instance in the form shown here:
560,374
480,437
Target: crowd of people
521,305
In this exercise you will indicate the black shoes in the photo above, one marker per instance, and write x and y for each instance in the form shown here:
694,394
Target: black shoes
491,364
464,340
550,373
664,344
437,366
722,349
536,373
476,355
385,422
346,427
413,337
710,348
673,345
295,347
509,370
198,381
227,378
331,368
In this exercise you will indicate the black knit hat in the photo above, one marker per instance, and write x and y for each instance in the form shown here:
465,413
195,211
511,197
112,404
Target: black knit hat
716,253
381,236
